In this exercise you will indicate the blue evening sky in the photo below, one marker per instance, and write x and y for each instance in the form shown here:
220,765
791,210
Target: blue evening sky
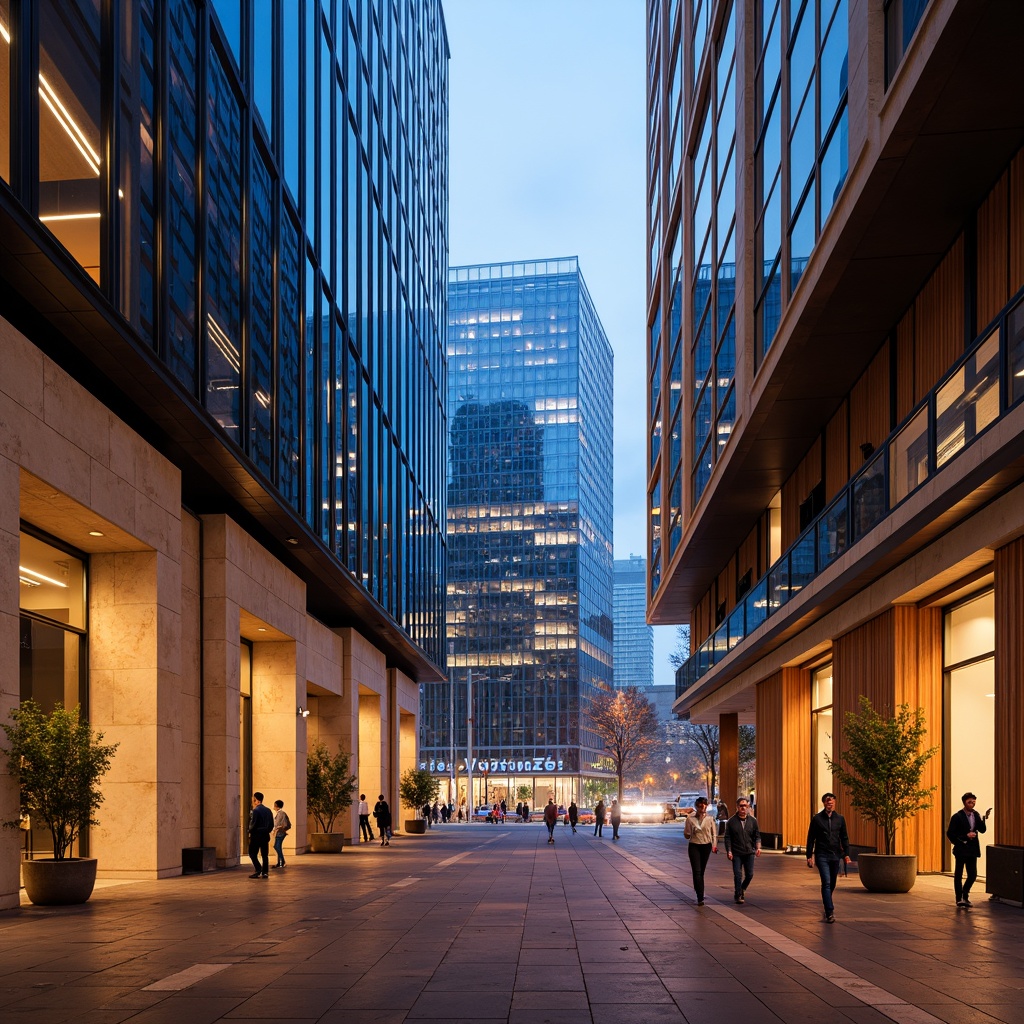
547,120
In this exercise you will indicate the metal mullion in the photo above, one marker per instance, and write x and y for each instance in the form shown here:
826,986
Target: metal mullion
24,110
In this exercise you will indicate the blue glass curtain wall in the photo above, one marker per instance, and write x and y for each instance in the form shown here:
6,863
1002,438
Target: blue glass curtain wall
274,186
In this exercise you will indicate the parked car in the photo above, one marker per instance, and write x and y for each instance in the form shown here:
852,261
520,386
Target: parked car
686,801
643,813
670,813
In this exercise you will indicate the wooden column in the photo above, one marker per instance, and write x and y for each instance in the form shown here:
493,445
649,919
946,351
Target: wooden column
1008,817
894,659
784,754
728,759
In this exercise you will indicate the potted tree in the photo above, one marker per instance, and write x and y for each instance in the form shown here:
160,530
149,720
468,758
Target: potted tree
882,768
417,787
329,788
58,761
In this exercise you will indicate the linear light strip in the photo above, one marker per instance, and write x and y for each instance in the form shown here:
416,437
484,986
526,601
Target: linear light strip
40,576
70,125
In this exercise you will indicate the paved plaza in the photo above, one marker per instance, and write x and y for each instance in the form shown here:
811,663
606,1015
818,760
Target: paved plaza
490,923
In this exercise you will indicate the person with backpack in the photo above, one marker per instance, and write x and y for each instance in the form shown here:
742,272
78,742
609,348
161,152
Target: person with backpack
282,825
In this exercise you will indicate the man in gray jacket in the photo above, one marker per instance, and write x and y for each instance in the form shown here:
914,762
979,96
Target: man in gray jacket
742,845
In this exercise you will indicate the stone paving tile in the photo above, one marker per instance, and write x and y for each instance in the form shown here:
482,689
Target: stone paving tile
380,938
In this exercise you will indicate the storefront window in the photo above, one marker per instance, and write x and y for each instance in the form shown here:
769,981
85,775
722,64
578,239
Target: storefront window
52,666
821,732
969,677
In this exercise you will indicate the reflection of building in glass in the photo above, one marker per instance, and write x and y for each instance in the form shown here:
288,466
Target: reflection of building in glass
529,529
835,489
634,639
222,424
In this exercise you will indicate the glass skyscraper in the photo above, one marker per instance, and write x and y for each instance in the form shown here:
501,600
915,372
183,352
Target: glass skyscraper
223,262
634,639
529,608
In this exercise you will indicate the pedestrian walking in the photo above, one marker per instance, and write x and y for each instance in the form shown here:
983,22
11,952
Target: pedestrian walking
365,831
722,816
599,818
742,846
425,811
261,824
282,823
962,832
615,813
827,845
551,819
574,816
382,815
701,834
519,811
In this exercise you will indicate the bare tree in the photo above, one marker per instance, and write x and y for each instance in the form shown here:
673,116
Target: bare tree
704,746
628,724
682,649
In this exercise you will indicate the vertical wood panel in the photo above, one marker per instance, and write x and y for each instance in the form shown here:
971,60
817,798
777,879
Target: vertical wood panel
1016,228
905,370
918,655
728,758
862,664
837,453
749,554
939,316
1009,671
796,745
770,751
993,252
869,407
795,491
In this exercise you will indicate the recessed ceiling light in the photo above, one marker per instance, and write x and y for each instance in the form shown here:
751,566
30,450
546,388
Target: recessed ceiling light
261,629
291,540
96,533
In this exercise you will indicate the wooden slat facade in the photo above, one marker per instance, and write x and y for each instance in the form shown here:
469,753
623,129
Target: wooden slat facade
784,754
1016,225
905,370
895,658
837,452
993,290
1009,671
939,322
796,490
869,407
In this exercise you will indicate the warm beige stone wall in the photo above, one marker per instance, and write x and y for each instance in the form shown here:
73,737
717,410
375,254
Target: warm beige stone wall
10,841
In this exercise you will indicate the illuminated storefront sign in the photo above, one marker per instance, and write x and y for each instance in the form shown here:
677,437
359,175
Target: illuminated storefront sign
498,764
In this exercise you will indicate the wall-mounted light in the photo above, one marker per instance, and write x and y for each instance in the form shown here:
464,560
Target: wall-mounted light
867,449
302,712
291,540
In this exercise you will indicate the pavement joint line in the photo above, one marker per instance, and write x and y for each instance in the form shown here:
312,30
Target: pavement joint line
884,1002
186,978
402,882
454,860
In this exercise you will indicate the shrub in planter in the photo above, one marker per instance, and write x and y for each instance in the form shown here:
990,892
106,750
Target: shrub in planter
58,761
416,788
329,789
882,767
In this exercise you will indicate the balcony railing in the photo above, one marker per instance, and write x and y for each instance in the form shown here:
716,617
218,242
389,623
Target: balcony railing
981,388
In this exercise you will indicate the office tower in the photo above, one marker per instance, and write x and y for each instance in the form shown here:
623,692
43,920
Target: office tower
836,335
634,639
529,609
224,265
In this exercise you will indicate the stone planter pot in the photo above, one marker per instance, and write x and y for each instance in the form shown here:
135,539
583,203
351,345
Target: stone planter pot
326,842
881,872
417,827
59,883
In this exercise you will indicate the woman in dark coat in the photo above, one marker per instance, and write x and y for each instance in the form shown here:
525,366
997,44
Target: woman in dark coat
382,813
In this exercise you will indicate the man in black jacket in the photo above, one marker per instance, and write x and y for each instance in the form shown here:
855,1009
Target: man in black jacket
827,845
962,832
742,846
261,824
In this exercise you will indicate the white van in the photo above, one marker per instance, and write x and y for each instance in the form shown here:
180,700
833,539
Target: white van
686,801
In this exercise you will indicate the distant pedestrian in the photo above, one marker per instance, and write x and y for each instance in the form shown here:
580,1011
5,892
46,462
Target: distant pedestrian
282,823
962,832
599,818
382,815
435,813
574,816
365,831
827,846
742,846
504,810
551,819
425,811
261,824
519,811
702,839
526,811
615,813
722,816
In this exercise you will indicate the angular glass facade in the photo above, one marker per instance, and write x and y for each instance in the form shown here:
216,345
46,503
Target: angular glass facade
529,610
259,191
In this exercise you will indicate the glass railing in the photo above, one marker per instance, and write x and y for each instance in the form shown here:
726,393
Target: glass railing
980,389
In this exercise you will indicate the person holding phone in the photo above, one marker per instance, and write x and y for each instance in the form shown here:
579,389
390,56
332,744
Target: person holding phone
964,828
